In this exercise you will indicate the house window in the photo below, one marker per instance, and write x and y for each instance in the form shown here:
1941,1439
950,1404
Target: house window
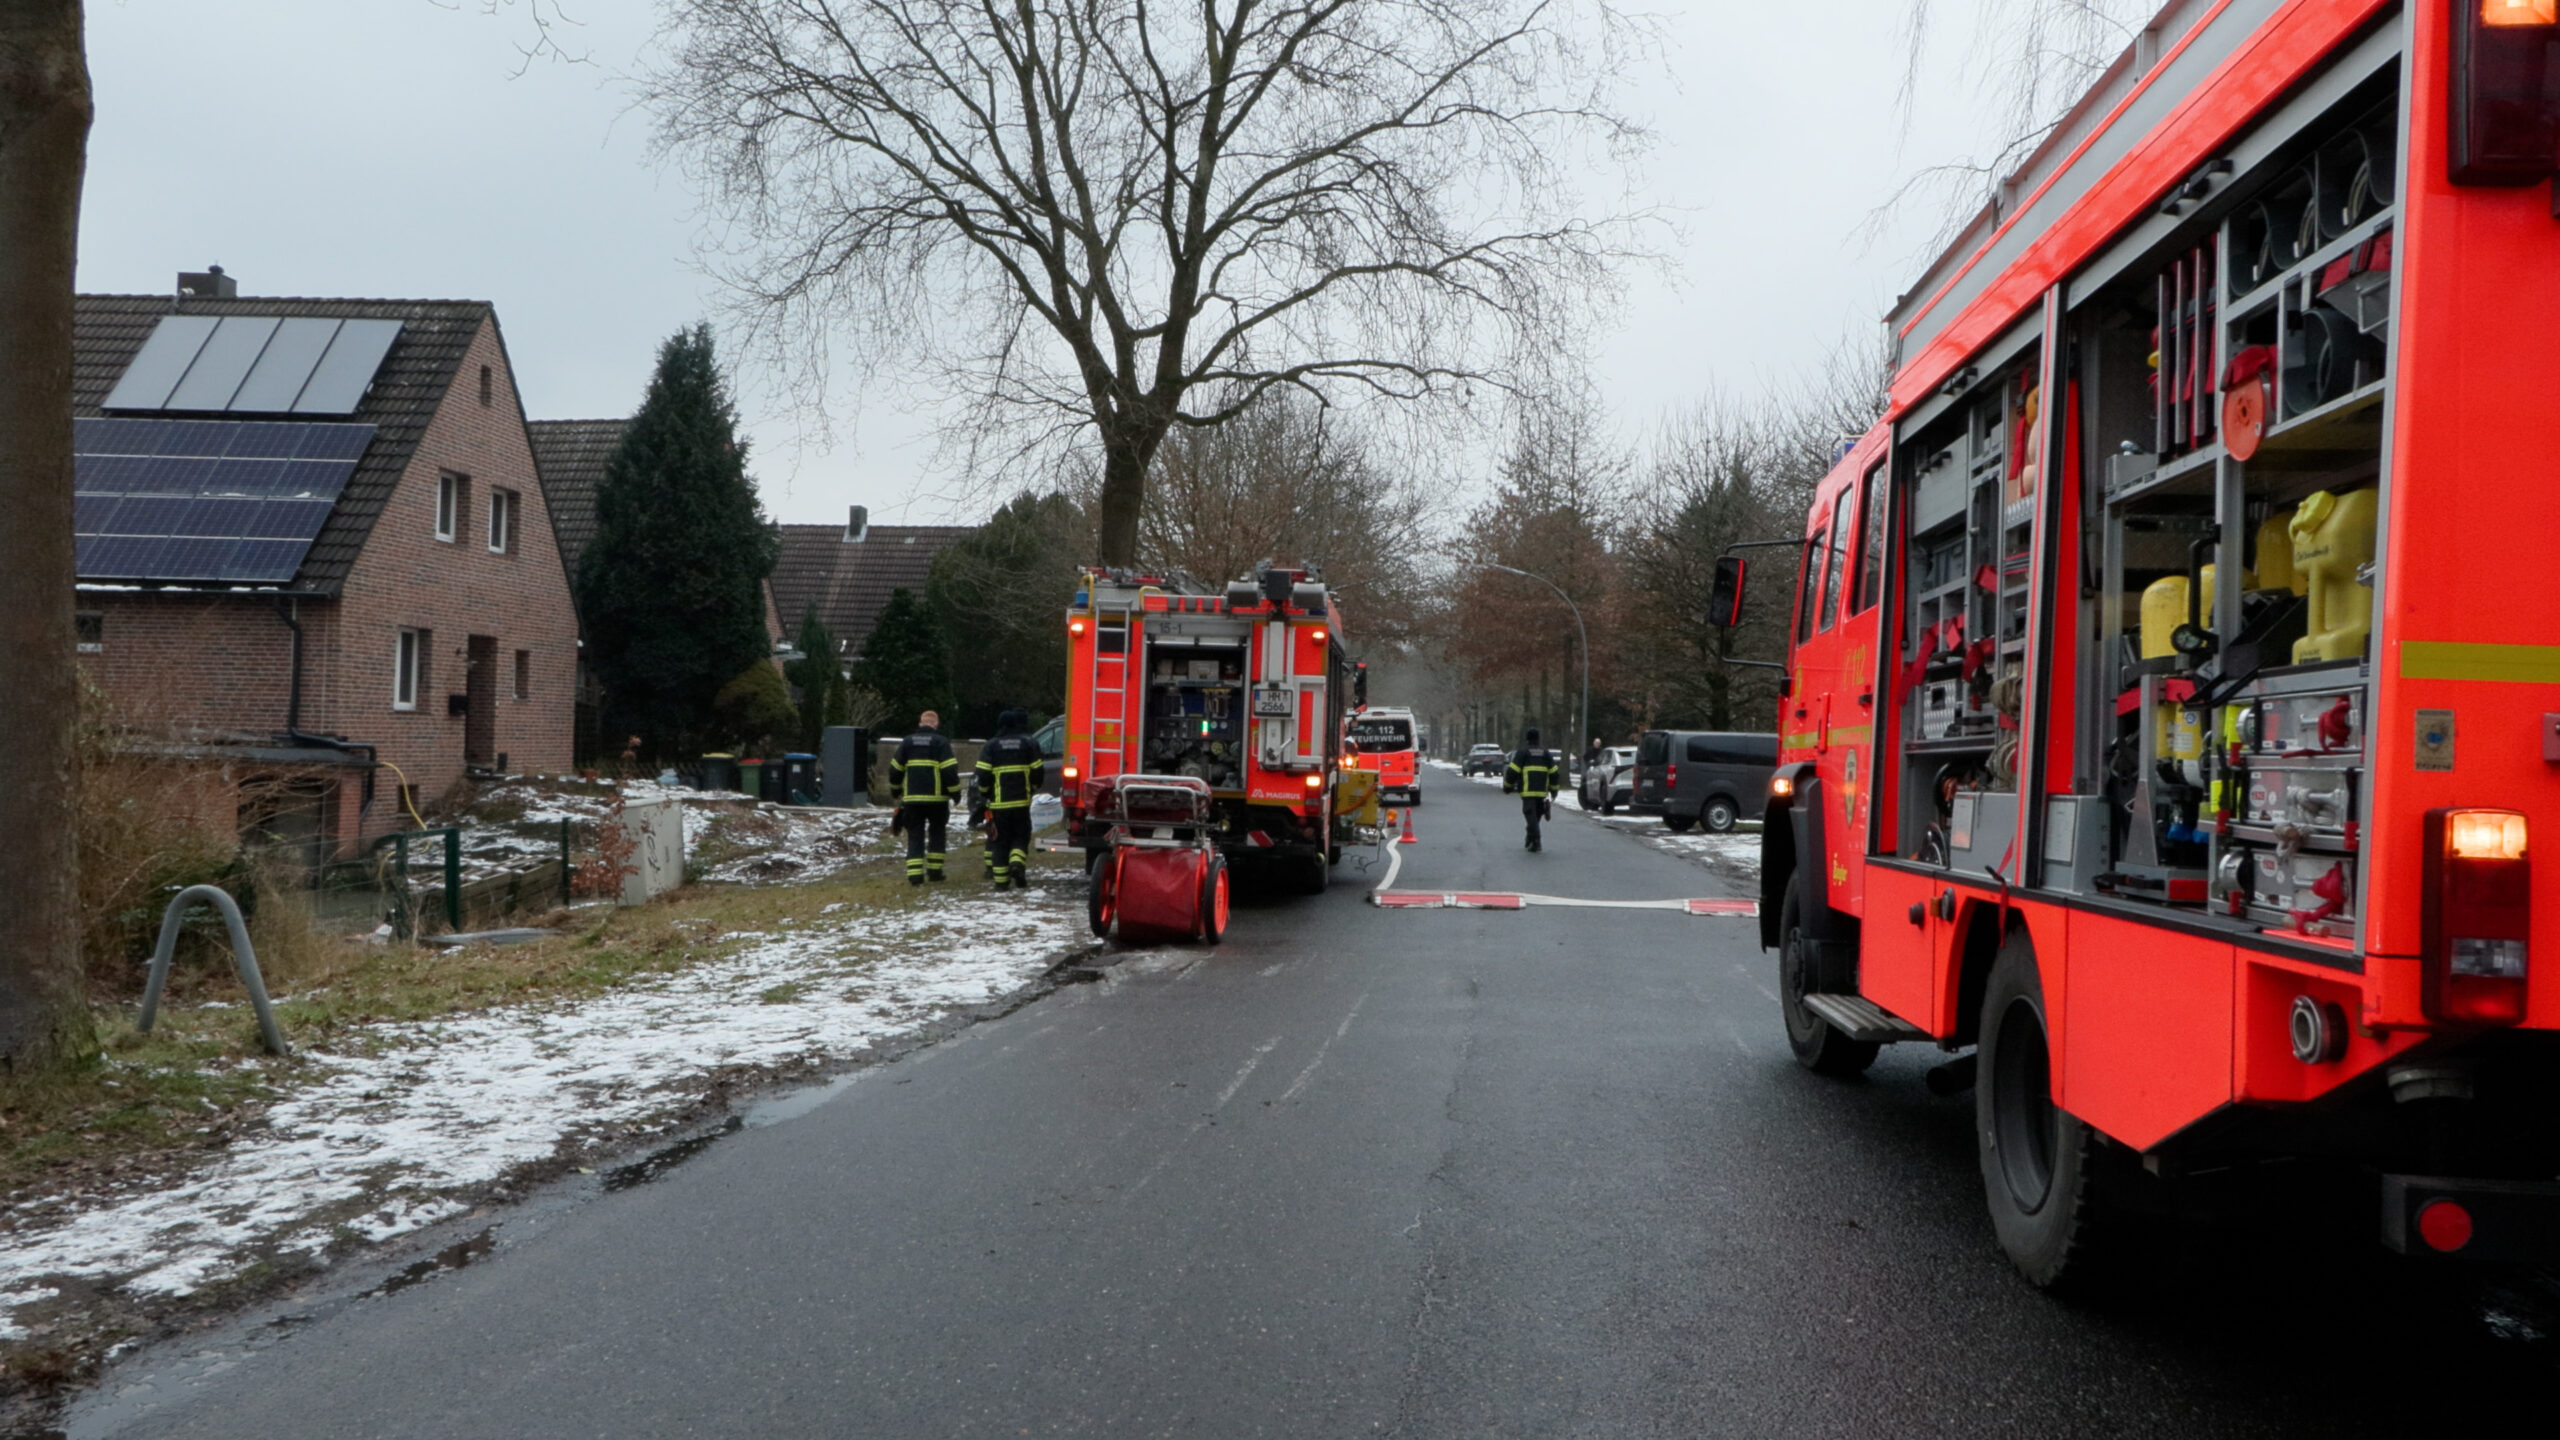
408,669
453,504
488,385
92,629
524,674
502,521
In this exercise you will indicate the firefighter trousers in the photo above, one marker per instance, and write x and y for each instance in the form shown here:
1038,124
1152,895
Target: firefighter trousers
1533,810
1009,845
928,829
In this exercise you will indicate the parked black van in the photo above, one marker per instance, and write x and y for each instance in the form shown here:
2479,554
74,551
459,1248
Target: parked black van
1703,777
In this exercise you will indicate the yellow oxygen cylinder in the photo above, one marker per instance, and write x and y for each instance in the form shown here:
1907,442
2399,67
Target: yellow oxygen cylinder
2275,556
2332,538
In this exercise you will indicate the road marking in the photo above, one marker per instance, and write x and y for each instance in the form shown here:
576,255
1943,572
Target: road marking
1310,1072
1512,900
1246,1073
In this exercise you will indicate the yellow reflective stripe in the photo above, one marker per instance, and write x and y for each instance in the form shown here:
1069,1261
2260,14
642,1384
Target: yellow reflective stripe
2464,660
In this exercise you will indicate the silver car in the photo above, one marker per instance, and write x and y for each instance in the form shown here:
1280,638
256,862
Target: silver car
1610,781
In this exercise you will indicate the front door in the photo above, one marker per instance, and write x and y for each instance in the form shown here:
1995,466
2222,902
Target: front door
480,722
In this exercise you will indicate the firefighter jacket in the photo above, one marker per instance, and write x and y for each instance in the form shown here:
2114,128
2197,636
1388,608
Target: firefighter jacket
1532,772
925,769
1010,768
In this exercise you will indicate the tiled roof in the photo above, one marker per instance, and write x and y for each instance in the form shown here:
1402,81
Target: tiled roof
107,330
850,583
572,454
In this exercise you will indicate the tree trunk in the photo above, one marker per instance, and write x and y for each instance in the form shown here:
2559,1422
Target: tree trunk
1124,493
44,131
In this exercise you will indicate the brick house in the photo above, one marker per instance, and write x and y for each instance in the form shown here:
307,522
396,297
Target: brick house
847,573
312,538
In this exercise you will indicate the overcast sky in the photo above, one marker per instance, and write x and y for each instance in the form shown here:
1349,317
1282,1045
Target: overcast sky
390,148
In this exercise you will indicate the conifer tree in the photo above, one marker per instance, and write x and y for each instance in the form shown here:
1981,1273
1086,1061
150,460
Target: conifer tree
904,662
819,677
671,589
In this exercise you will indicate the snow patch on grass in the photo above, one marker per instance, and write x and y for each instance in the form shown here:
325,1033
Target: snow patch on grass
377,1143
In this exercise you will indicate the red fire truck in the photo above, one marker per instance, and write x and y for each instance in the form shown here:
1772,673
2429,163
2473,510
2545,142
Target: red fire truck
2174,674
1243,688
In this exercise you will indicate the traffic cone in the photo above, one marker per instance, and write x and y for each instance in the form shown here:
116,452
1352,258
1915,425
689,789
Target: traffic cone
1407,837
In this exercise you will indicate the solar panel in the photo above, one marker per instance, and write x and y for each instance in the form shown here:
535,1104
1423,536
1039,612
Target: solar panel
278,377
162,362
337,387
219,501
255,365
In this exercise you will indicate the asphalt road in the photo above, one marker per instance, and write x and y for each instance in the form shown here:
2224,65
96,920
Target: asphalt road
1361,1172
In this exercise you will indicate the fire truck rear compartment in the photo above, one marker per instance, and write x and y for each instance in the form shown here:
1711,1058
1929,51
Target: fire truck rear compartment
1195,713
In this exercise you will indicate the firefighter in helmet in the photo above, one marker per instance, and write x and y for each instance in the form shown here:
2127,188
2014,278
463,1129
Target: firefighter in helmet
1532,776
1010,771
927,775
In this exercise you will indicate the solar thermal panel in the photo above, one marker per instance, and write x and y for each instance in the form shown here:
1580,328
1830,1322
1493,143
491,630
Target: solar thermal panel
337,386
161,363
276,381
222,364
254,364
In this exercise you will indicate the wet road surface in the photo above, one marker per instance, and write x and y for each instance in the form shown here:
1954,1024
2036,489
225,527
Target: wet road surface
1360,1172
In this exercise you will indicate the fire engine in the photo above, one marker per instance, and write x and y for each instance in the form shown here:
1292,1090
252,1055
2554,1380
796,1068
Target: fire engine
1242,689
1381,739
2173,687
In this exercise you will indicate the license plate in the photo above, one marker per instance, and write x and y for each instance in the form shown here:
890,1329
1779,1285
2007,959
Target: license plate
1274,703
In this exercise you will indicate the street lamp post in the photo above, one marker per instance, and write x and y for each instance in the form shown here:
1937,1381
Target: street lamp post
1582,633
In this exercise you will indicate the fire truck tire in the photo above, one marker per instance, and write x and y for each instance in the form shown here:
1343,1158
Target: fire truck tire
1817,1046
1100,899
1679,823
1720,814
2042,1168
1315,873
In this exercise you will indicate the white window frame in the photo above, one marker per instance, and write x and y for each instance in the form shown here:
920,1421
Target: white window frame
502,521
448,506
408,651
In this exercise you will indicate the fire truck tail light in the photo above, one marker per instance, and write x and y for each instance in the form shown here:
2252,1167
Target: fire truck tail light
2486,834
1781,786
1071,773
2478,913
1318,632
2504,98
2445,1226
1316,781
1076,626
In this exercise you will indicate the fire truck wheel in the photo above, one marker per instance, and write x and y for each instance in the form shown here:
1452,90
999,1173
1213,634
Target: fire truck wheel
1315,873
1817,1046
1101,900
1720,814
2041,1167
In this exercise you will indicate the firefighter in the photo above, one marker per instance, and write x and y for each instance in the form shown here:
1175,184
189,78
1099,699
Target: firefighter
1532,776
1010,771
927,775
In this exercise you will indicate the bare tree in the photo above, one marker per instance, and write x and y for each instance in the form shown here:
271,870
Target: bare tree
1104,213
44,136
1292,481
2031,60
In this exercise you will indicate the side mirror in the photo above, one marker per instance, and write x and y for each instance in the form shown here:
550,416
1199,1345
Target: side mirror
1360,687
1724,600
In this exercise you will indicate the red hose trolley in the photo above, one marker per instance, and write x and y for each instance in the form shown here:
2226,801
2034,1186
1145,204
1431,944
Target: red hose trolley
1160,876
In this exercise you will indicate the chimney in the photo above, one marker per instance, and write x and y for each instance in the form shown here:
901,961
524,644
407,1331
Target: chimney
209,284
857,526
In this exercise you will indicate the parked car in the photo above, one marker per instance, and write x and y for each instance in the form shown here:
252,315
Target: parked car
1610,781
1486,760
1715,778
